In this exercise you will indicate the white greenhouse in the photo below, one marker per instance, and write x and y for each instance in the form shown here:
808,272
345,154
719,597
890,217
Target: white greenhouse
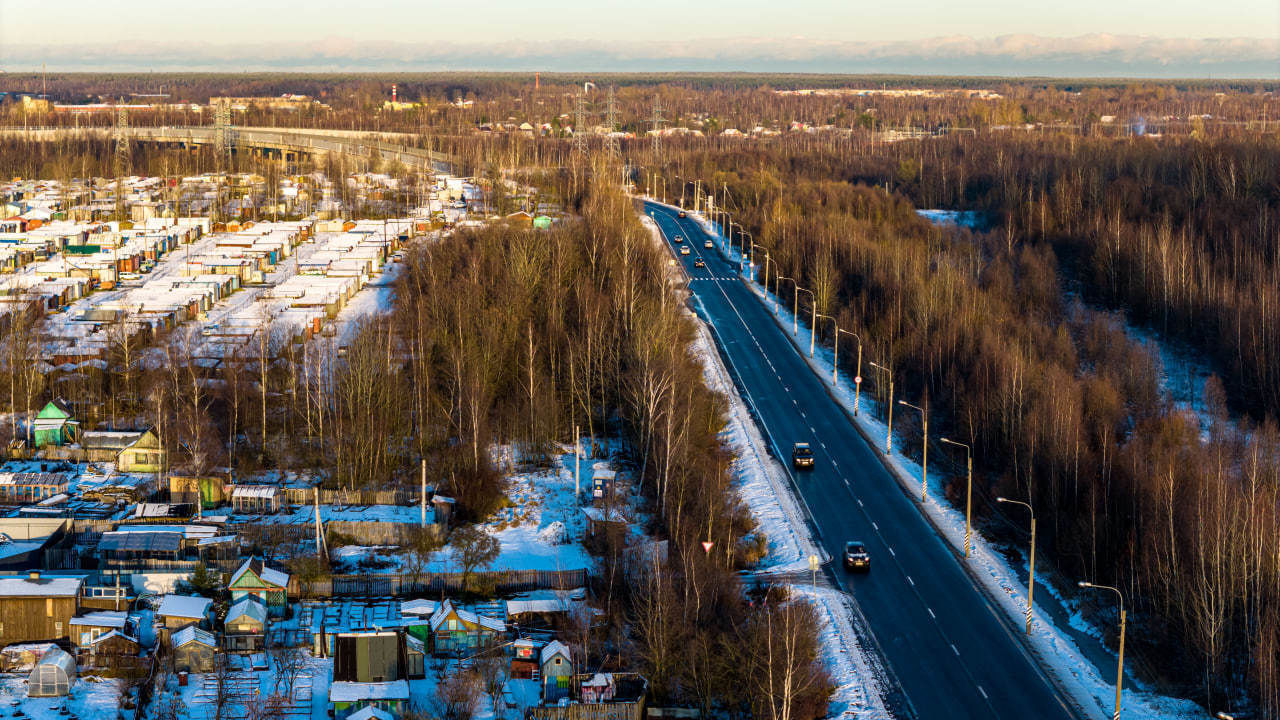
53,675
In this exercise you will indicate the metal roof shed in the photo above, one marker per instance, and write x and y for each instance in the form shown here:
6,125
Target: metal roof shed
53,675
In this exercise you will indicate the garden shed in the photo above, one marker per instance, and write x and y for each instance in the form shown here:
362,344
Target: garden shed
53,675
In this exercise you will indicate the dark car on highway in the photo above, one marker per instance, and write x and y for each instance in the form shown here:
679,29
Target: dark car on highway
856,556
699,263
802,456
682,214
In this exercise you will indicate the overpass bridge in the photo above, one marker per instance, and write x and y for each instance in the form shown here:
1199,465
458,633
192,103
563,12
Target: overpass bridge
285,144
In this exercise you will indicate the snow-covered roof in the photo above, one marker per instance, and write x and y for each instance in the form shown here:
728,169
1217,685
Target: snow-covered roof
249,607
369,712
553,648
184,606
40,586
190,634
102,618
467,617
114,633
255,491
59,657
598,680
419,607
264,573
348,691
540,605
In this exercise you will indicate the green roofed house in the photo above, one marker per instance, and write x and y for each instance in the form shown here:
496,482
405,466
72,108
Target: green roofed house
542,222
54,425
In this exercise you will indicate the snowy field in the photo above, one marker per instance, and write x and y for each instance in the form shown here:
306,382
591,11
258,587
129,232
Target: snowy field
1053,648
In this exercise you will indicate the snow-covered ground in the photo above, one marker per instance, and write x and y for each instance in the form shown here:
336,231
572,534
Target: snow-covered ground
1054,649
961,218
763,485
91,697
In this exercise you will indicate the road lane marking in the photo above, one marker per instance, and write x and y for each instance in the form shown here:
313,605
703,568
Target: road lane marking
954,650
877,527
935,617
891,552
913,582
859,500
984,693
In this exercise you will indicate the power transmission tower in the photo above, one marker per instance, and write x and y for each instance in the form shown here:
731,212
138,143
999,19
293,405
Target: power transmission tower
656,135
580,126
223,141
611,124
123,156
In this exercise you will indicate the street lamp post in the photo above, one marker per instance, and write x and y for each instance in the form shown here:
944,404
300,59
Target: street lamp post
924,460
813,320
1120,664
888,435
1031,580
968,493
815,329
835,367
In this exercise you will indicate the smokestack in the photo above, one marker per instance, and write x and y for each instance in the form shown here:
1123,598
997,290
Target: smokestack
535,81
393,94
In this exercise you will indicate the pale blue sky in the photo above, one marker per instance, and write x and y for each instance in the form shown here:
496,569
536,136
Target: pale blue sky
470,21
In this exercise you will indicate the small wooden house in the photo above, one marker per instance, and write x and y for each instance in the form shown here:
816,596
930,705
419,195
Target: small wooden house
460,633
524,659
193,650
33,607
245,627
556,666
177,612
115,651
270,587
87,628
54,425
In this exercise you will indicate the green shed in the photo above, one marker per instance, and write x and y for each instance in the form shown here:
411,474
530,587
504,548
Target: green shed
54,425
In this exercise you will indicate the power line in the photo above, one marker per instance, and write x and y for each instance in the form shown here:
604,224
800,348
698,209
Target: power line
656,133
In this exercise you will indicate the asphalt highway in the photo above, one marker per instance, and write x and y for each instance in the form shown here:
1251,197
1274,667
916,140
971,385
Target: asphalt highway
954,656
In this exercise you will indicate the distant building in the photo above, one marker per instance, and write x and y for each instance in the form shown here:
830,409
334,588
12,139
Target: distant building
130,450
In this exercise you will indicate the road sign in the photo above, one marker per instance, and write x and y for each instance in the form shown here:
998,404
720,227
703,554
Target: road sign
858,380
813,562
706,546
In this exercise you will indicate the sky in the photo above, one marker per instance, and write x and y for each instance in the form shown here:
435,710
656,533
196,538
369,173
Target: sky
1222,37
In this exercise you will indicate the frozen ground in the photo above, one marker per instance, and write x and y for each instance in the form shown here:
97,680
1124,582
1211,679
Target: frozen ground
1085,682
764,487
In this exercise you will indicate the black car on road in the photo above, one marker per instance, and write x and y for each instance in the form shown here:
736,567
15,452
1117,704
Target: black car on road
802,456
856,556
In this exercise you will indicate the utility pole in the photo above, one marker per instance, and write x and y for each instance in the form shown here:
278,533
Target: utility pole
577,464
321,551
423,492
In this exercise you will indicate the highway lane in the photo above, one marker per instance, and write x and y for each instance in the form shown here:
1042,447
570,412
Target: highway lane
953,655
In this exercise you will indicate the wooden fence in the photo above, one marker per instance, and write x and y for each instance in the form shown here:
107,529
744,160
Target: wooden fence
386,585
593,711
